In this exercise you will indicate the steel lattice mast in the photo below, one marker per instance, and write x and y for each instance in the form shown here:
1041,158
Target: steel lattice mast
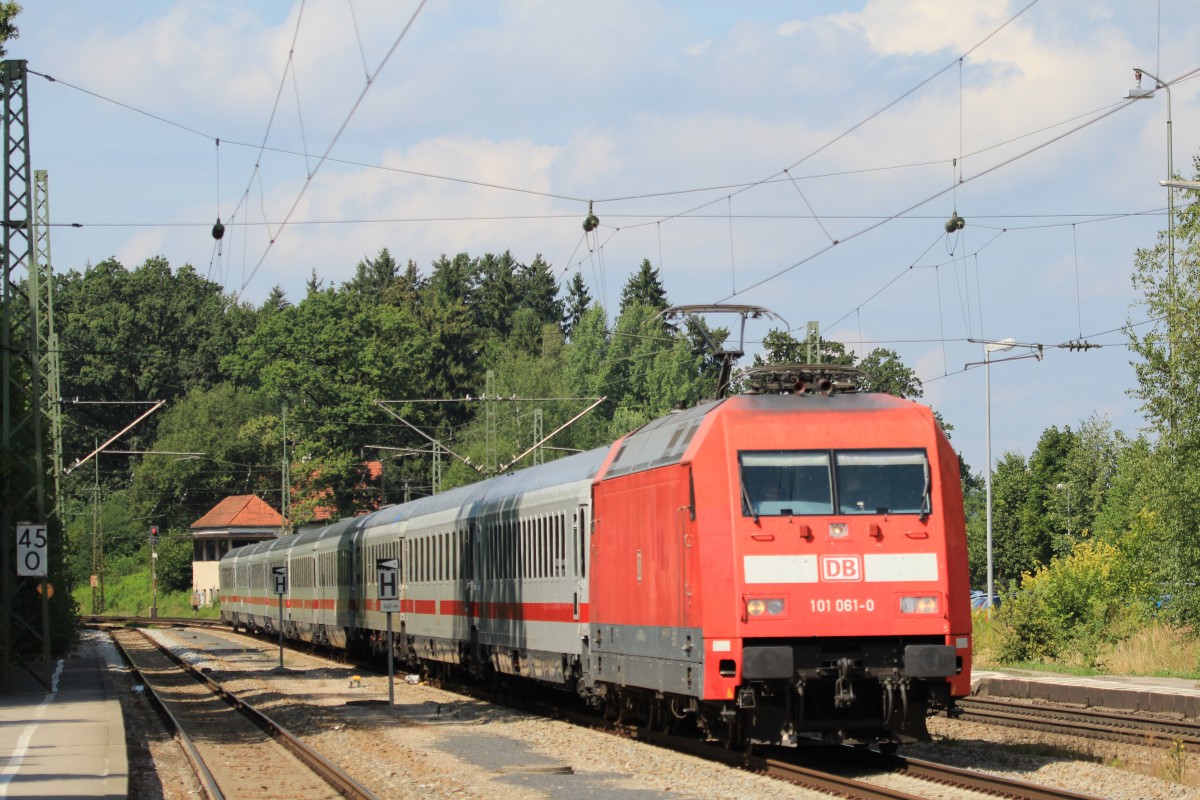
23,486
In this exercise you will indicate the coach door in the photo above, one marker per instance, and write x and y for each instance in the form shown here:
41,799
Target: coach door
685,536
580,531
472,574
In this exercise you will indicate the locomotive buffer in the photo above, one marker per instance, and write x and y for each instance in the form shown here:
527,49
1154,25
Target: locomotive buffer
388,570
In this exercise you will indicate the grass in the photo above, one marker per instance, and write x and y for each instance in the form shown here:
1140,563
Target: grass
1156,650
131,596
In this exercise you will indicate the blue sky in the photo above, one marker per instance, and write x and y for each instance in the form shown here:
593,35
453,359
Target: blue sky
731,144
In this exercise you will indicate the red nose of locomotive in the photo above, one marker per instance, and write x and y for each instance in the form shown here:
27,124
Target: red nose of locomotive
849,559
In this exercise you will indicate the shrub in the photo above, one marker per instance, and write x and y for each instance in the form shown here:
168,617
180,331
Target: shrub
1076,604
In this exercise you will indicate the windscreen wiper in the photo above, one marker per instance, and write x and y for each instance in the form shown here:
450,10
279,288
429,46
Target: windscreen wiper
926,496
746,500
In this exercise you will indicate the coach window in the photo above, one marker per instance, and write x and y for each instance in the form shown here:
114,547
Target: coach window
523,530
882,481
785,482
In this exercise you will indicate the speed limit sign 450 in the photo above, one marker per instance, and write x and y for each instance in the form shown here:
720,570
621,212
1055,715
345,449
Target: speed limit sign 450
31,550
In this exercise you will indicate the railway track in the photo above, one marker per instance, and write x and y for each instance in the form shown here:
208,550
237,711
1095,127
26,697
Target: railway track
845,772
236,751
1092,723
175,622
866,775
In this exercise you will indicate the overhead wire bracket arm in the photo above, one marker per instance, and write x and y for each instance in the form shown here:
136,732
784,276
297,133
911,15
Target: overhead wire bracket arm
80,462
552,434
383,404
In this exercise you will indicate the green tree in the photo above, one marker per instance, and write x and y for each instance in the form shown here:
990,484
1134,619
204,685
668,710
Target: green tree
780,347
495,293
1040,528
1013,551
1167,276
8,29
1076,603
276,300
151,334
373,278
577,303
329,358
644,288
238,434
407,290
538,291
587,353
453,280
886,373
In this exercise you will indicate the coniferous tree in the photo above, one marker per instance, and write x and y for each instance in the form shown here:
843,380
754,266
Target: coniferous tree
276,300
496,293
406,291
314,284
373,278
538,291
644,288
577,304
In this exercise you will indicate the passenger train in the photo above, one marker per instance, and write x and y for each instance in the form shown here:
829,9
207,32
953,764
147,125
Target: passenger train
772,567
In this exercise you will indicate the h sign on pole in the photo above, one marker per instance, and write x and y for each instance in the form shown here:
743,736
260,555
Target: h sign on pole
388,571
280,576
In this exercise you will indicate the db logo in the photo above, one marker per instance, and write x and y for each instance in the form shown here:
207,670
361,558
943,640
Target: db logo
841,568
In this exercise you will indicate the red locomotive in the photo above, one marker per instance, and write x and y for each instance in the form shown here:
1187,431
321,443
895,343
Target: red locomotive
768,566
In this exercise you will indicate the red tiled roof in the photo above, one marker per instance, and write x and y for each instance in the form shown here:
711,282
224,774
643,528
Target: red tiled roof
242,511
322,513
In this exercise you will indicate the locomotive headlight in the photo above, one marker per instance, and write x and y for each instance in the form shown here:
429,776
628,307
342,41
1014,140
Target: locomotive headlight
838,530
922,604
770,606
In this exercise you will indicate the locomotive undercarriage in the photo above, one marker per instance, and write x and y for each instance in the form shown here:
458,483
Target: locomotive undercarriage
851,691
857,691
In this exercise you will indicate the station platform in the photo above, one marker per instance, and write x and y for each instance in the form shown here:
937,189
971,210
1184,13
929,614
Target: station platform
66,740
1176,697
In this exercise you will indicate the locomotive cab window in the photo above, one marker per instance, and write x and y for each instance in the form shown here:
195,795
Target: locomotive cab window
882,482
805,482
783,483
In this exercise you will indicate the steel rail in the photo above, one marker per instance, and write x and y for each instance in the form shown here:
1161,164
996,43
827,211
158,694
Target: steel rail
207,781
337,778
1109,725
99,619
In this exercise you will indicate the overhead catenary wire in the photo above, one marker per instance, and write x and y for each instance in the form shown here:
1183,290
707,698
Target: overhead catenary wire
728,215
977,219
341,129
656,218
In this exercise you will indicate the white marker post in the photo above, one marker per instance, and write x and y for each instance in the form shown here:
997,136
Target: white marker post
280,576
388,570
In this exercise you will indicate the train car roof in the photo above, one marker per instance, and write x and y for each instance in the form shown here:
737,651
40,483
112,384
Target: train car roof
664,441
499,490
659,442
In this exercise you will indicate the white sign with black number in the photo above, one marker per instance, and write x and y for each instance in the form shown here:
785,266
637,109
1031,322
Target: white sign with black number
388,570
31,550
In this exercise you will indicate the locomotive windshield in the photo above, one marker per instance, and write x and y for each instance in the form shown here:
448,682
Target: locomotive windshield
800,482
